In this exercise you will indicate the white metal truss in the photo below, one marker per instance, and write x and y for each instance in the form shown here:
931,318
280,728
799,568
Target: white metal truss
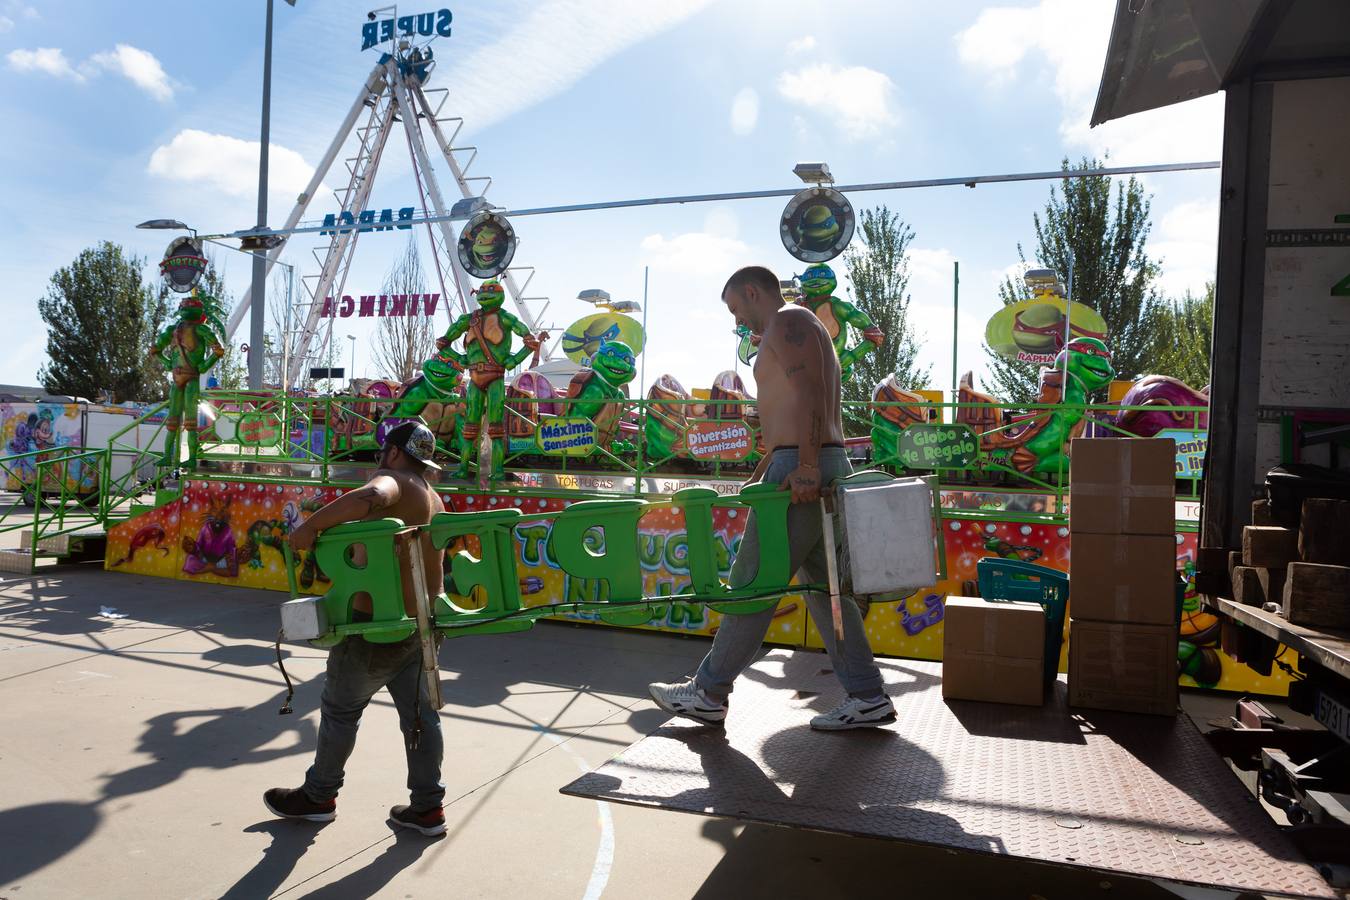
390,96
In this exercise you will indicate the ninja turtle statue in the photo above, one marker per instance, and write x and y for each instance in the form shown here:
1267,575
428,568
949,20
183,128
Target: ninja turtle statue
189,346
487,355
597,393
818,284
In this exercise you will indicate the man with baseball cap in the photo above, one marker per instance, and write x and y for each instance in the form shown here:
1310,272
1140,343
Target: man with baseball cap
357,668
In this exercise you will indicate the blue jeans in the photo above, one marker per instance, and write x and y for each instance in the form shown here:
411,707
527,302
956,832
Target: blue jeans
357,669
739,637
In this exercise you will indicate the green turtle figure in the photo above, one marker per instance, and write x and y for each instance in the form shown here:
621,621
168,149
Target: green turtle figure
188,348
598,392
818,284
487,355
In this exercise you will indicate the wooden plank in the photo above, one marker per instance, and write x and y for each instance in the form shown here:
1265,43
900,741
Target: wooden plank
1324,534
1317,595
1269,546
1261,513
1256,587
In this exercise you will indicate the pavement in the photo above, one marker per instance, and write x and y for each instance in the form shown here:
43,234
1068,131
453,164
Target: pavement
140,728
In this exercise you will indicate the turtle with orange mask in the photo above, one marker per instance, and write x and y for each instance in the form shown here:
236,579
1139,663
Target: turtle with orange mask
487,356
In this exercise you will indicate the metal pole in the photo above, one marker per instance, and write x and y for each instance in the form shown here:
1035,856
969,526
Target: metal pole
642,379
351,372
956,305
284,375
258,305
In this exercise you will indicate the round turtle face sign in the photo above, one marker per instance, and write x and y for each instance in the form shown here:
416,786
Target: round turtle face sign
486,245
817,224
183,264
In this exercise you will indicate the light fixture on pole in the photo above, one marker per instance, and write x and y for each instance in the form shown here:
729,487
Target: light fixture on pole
813,172
352,373
167,225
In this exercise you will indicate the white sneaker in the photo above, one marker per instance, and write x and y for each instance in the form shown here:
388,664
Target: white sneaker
855,712
685,698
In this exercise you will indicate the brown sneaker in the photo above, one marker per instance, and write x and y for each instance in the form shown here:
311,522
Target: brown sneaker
294,803
431,822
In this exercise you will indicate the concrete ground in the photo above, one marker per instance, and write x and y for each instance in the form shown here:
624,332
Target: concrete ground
135,750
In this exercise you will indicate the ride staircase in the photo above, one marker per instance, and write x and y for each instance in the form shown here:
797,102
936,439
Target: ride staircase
60,503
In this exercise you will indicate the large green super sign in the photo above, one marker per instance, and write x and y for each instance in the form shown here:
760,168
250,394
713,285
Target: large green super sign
938,447
486,589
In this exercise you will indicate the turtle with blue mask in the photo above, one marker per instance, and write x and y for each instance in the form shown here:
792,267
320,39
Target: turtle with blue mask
818,284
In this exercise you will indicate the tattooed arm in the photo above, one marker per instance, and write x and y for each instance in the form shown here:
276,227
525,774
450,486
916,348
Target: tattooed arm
354,506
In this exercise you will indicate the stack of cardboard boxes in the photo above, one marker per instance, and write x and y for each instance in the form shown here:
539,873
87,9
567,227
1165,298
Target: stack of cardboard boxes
1122,575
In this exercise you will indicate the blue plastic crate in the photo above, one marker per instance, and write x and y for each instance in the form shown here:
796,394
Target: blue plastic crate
1014,580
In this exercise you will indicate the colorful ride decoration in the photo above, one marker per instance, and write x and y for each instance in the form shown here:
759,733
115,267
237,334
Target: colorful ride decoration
151,544
599,393
190,346
817,224
487,355
1163,395
818,284
667,417
1038,442
522,415
894,408
1035,330
486,245
584,337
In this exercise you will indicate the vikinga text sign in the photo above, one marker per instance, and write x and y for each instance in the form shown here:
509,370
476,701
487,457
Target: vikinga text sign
381,306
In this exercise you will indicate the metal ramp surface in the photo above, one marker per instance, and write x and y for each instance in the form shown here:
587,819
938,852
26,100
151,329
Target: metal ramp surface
1114,792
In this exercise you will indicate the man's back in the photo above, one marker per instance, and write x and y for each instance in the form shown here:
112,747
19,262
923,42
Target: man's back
416,501
785,356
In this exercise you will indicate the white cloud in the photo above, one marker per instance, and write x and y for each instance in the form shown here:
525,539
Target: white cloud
744,111
694,253
802,44
228,164
138,66
49,60
552,48
1186,241
6,24
1068,38
860,100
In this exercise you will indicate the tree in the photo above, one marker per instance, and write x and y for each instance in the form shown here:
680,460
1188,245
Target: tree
1184,336
1112,273
879,274
281,343
101,319
403,343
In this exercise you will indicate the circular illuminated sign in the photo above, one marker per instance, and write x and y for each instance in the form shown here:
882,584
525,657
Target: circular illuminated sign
817,224
183,264
486,245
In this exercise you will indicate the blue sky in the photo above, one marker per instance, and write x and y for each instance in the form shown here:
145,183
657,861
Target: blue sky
119,112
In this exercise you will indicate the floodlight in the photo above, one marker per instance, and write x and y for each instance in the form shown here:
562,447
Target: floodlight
469,207
813,172
165,225
625,306
594,295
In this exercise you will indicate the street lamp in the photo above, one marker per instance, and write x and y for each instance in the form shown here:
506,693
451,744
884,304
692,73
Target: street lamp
351,373
248,247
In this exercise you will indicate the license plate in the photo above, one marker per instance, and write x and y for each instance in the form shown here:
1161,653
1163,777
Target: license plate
1334,716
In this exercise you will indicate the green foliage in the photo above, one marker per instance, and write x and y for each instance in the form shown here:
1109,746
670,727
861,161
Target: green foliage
101,320
1106,239
1184,334
879,274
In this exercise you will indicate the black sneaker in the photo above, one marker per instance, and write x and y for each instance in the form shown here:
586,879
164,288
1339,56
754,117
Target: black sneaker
430,822
294,803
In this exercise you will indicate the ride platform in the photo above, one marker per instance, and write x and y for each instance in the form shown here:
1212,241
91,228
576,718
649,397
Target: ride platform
1111,792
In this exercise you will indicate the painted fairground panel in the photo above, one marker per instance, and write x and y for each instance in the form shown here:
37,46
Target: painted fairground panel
31,427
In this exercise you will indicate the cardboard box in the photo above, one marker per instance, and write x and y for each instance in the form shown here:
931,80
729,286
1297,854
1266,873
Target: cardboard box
1122,486
993,651
1123,578
1125,667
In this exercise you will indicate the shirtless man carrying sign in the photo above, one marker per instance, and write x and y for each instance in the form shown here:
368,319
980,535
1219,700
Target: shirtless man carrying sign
798,377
